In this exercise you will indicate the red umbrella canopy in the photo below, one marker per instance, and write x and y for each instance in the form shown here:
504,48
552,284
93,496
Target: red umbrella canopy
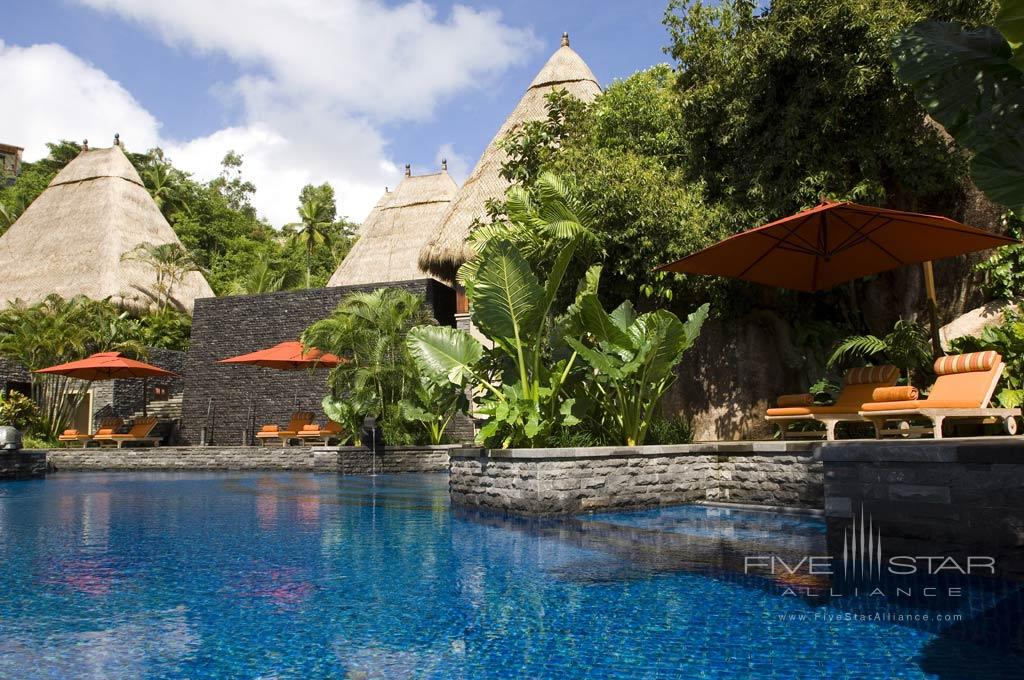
107,366
287,356
833,243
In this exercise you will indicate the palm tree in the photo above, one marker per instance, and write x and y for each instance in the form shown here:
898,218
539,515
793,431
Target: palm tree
906,346
369,329
264,277
171,262
312,229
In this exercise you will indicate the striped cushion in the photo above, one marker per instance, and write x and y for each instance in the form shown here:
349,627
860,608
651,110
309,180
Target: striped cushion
901,393
966,363
871,374
787,400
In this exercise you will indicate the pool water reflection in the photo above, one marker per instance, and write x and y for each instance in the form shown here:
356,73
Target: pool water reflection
303,576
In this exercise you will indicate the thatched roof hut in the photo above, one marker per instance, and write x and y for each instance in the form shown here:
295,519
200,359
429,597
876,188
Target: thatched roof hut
396,230
447,249
71,240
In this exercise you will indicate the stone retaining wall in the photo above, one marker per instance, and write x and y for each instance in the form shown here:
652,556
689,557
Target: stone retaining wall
950,497
561,481
22,464
343,460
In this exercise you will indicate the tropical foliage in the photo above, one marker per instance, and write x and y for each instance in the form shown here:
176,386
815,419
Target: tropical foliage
971,80
1006,338
57,331
526,381
906,346
379,378
170,263
17,410
632,357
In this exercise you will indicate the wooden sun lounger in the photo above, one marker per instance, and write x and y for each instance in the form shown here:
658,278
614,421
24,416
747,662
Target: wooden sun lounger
858,385
269,433
140,433
313,434
107,426
965,385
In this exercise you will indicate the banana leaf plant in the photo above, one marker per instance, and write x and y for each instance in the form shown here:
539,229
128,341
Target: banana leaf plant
632,358
432,404
519,381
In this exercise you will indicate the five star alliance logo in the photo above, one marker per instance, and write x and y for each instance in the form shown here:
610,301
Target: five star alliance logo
862,549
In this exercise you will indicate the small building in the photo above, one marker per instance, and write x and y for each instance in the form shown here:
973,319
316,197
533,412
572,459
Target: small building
73,238
395,231
10,163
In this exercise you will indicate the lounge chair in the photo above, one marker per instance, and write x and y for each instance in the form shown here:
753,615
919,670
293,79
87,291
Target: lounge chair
107,426
962,392
140,433
269,433
314,434
858,386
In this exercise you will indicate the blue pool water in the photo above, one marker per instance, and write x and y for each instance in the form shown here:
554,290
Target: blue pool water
188,575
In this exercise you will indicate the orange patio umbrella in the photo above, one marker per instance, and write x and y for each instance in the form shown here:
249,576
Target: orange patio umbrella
287,356
833,243
110,366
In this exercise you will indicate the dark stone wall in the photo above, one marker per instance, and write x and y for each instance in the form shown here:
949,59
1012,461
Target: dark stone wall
124,397
225,399
13,375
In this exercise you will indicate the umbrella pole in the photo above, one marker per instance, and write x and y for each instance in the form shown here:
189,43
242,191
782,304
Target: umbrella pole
145,395
933,308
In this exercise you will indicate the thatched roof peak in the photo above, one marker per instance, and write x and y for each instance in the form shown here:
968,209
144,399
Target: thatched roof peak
447,250
98,163
72,238
564,66
395,231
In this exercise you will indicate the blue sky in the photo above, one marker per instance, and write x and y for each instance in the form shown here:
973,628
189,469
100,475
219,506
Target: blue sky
340,90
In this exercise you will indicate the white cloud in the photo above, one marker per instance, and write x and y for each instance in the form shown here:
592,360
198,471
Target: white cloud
458,165
55,95
389,62
320,78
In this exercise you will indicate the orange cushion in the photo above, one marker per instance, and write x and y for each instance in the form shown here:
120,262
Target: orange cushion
312,427
269,428
901,393
916,405
70,433
811,410
105,431
966,363
795,400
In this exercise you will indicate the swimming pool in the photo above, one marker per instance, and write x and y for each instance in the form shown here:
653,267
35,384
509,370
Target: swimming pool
302,576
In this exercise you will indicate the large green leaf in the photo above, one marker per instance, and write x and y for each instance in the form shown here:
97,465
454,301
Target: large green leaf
968,82
664,341
444,353
1010,22
507,298
600,324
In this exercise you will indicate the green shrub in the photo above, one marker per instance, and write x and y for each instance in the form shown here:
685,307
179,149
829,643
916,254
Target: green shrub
17,410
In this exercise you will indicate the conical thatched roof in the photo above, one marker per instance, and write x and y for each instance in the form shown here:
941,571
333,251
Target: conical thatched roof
396,230
447,250
71,239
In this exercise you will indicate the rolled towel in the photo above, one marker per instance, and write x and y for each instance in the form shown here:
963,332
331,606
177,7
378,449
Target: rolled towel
70,433
898,393
269,428
795,400
312,427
